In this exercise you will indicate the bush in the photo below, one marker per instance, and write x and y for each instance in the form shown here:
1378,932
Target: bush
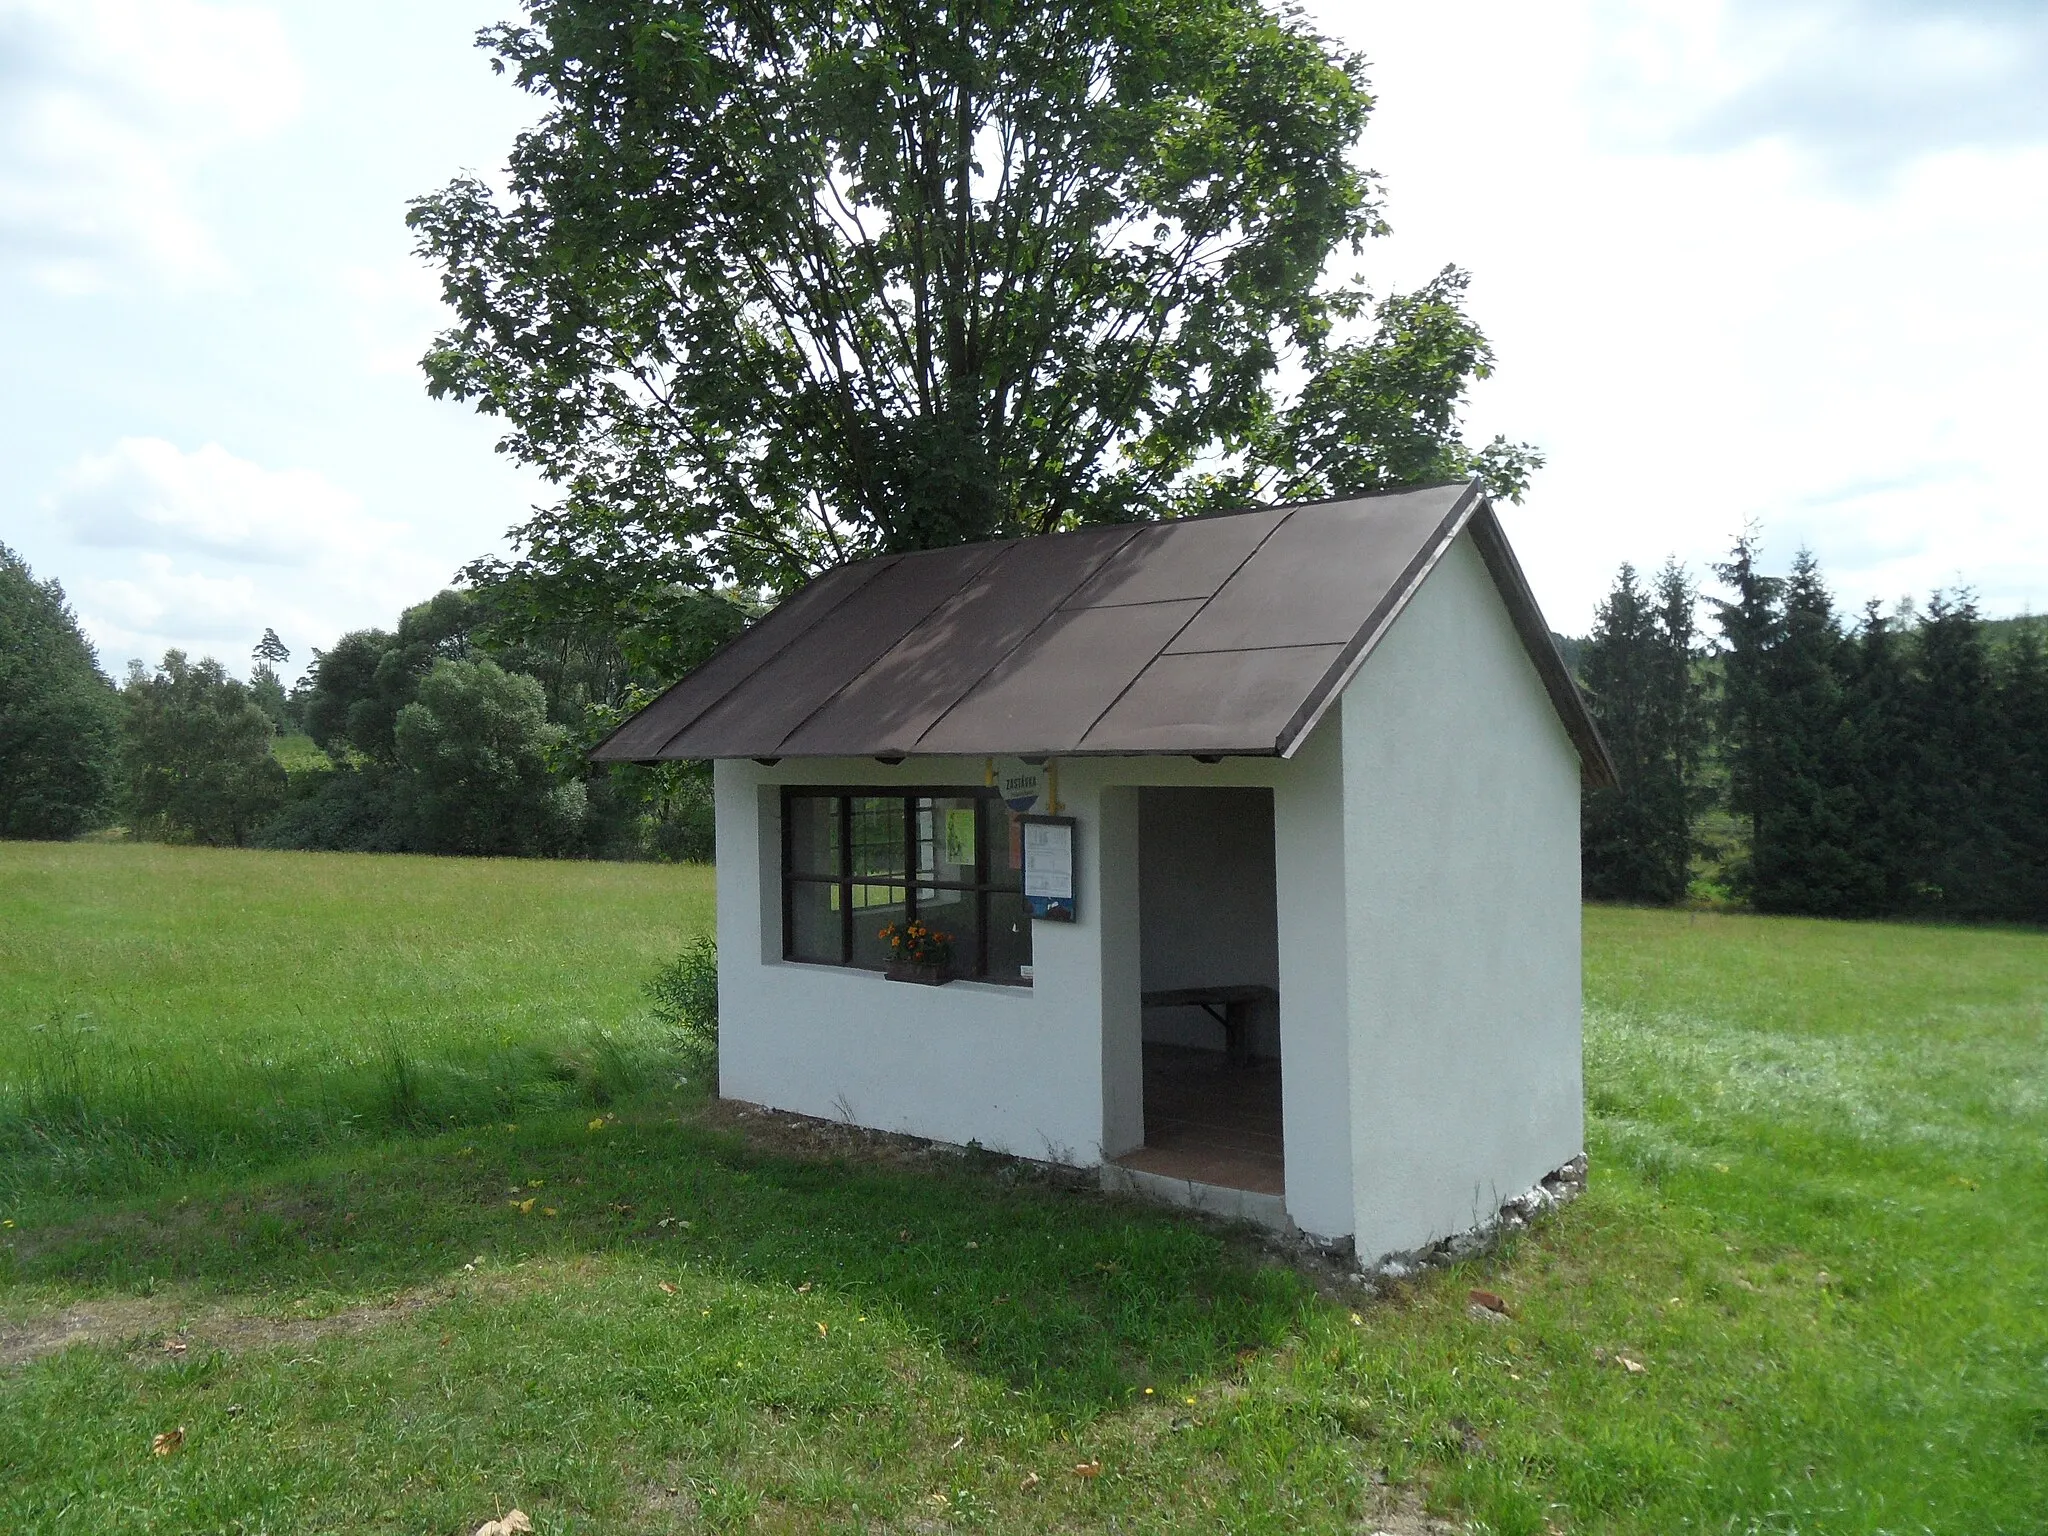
347,809
59,716
685,994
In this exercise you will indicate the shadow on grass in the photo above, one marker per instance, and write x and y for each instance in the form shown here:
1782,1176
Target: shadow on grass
1059,1294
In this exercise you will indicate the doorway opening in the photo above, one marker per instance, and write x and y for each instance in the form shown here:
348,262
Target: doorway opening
1209,958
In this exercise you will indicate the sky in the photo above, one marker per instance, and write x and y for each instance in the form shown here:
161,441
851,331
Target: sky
1768,264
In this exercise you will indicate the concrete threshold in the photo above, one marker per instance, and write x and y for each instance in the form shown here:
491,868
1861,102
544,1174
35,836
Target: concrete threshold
1247,1205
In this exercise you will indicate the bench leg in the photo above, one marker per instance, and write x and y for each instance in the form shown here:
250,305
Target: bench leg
1237,1033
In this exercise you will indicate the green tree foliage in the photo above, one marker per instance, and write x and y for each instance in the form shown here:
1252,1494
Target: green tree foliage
267,688
59,716
478,748
1643,688
1893,769
196,750
781,285
2020,792
355,691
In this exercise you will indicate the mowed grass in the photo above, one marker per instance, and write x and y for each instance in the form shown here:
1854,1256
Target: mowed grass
548,1274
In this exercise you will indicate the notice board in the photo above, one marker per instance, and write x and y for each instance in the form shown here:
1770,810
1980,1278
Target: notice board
1049,867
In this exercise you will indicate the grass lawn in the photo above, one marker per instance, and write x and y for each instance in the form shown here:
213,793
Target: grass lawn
377,1177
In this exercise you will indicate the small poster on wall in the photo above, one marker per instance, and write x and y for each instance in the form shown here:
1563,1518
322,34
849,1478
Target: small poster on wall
1049,867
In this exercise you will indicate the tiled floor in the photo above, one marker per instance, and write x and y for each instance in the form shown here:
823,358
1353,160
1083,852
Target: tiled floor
1211,1122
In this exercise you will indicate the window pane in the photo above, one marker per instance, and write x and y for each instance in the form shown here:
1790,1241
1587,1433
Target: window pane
957,913
875,907
877,834
1009,936
814,834
948,832
814,931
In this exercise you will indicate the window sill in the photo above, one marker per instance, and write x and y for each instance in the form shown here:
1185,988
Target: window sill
1012,989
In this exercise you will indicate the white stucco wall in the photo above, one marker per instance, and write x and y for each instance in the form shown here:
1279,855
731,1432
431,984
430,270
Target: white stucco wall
1461,856
1018,1069
1055,1069
1207,888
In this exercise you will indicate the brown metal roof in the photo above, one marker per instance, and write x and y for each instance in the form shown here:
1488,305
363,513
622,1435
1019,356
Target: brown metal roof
1228,634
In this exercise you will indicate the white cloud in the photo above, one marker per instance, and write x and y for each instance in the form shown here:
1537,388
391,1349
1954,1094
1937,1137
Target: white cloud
148,494
1709,336
107,109
202,549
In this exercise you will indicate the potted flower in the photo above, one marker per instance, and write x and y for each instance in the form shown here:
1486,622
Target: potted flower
918,953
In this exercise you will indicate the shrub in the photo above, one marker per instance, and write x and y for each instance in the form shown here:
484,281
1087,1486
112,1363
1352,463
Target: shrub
685,994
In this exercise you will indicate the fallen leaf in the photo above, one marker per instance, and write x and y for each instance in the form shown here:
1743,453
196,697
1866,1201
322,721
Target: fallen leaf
1488,1300
174,1346
1357,1321
956,1445
535,1183
1633,1367
549,1210
821,1330
524,1207
1030,1482
974,1245
167,1442
597,1124
1088,1469
937,1500
513,1523
804,1289
667,1289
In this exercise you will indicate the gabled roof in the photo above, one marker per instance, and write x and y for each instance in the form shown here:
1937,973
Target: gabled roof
1229,634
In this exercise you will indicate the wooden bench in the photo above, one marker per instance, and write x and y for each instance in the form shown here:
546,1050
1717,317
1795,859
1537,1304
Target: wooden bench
1234,1007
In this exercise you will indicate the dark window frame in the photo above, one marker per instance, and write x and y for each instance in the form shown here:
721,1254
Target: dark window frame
988,804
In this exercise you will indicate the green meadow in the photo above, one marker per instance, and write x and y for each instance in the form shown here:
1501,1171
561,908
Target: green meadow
383,1180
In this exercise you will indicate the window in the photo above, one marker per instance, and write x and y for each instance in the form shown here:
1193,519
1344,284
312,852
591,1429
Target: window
853,863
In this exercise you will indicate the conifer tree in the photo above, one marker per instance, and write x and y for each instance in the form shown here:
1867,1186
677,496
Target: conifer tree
1956,749
1637,844
2021,798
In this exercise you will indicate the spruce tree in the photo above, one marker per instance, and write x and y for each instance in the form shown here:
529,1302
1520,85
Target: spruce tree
2021,799
1956,761
1878,761
1638,670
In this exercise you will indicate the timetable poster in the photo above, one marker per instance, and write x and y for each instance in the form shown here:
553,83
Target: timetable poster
1049,867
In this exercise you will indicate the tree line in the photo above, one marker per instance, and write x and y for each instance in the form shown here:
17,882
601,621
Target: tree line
461,730
1874,764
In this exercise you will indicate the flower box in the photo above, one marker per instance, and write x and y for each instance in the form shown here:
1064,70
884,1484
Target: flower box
926,975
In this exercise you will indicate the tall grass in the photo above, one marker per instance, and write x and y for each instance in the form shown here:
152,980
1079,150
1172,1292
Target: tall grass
221,1011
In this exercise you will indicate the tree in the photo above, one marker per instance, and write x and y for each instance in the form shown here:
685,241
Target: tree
1957,752
355,691
2021,796
1642,689
784,284
270,649
197,753
59,717
478,746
